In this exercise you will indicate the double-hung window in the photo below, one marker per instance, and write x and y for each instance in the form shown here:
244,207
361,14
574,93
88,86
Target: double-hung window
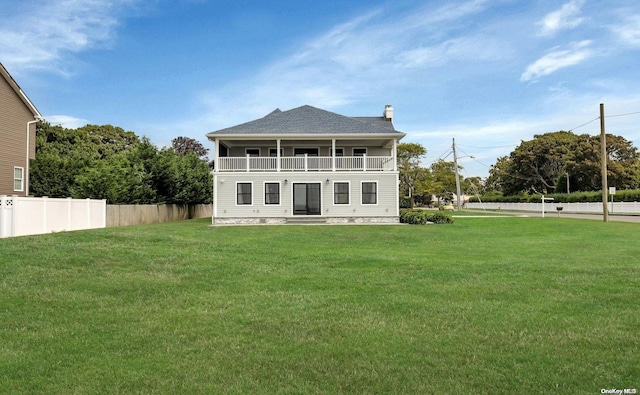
243,193
369,193
18,179
340,193
359,151
272,193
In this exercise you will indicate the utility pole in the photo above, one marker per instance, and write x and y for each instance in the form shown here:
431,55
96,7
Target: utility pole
455,164
603,163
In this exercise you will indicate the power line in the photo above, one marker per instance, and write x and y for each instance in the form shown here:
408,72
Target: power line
501,146
584,124
622,115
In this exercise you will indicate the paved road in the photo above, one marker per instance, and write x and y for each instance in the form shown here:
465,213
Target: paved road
598,217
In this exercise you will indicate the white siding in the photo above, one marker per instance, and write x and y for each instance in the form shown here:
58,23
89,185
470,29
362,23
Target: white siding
387,194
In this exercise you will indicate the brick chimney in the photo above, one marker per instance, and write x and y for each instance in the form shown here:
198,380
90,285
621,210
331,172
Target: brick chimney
388,113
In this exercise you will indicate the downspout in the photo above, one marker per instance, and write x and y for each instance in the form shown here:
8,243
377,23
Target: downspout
26,168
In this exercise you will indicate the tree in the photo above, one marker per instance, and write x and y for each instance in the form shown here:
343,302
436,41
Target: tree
61,155
414,179
498,175
106,162
118,180
185,145
444,179
536,165
542,165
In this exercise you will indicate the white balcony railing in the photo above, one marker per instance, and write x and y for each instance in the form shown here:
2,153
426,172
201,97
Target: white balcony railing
305,163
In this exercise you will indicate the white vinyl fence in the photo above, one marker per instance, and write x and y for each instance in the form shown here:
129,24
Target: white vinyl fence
21,216
590,207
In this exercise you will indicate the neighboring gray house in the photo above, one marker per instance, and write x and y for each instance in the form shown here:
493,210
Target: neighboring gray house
306,164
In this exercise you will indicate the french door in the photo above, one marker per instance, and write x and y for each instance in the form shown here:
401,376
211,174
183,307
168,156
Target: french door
306,199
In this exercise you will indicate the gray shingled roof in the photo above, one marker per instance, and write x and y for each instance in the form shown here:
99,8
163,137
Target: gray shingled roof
310,120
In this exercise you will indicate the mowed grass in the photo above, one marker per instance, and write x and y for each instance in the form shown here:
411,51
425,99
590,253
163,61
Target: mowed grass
486,305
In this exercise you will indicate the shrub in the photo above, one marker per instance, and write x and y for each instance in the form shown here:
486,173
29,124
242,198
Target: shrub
421,217
439,218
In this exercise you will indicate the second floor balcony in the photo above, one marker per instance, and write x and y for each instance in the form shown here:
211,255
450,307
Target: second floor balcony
305,163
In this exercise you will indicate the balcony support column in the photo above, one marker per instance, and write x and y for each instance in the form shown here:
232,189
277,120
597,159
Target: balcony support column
333,154
216,150
394,155
278,155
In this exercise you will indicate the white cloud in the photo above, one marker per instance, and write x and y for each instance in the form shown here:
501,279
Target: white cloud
567,17
41,34
557,59
628,30
66,121
362,58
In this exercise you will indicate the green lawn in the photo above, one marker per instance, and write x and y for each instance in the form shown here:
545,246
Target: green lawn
486,305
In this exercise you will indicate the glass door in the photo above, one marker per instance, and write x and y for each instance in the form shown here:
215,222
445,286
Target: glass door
306,199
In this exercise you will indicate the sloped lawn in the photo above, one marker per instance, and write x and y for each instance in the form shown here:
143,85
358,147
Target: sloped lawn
485,305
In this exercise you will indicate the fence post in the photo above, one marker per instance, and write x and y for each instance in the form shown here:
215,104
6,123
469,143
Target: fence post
3,215
13,215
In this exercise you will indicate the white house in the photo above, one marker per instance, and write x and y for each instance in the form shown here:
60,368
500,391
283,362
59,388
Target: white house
306,165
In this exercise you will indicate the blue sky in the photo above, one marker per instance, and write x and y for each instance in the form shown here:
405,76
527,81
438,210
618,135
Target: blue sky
487,73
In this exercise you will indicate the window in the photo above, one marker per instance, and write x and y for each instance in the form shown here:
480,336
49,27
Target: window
308,151
369,193
272,193
339,151
273,152
18,179
340,193
243,193
252,151
359,151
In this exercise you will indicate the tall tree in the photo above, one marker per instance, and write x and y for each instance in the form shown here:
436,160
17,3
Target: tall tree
444,179
106,162
542,165
498,175
414,179
186,145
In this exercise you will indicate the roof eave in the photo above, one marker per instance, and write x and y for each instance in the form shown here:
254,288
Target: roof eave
304,136
16,88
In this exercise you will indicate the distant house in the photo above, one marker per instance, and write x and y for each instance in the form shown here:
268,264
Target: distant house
307,165
18,117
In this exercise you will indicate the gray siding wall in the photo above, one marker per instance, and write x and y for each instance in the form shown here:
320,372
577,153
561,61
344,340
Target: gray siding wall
225,185
14,116
324,149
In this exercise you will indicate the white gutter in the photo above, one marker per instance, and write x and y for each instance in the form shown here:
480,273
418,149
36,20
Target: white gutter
26,168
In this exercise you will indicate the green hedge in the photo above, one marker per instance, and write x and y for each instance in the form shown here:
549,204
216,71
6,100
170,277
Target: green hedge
576,197
421,217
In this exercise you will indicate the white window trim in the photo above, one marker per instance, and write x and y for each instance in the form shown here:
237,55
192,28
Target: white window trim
333,195
15,179
250,148
377,193
353,150
264,194
235,191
